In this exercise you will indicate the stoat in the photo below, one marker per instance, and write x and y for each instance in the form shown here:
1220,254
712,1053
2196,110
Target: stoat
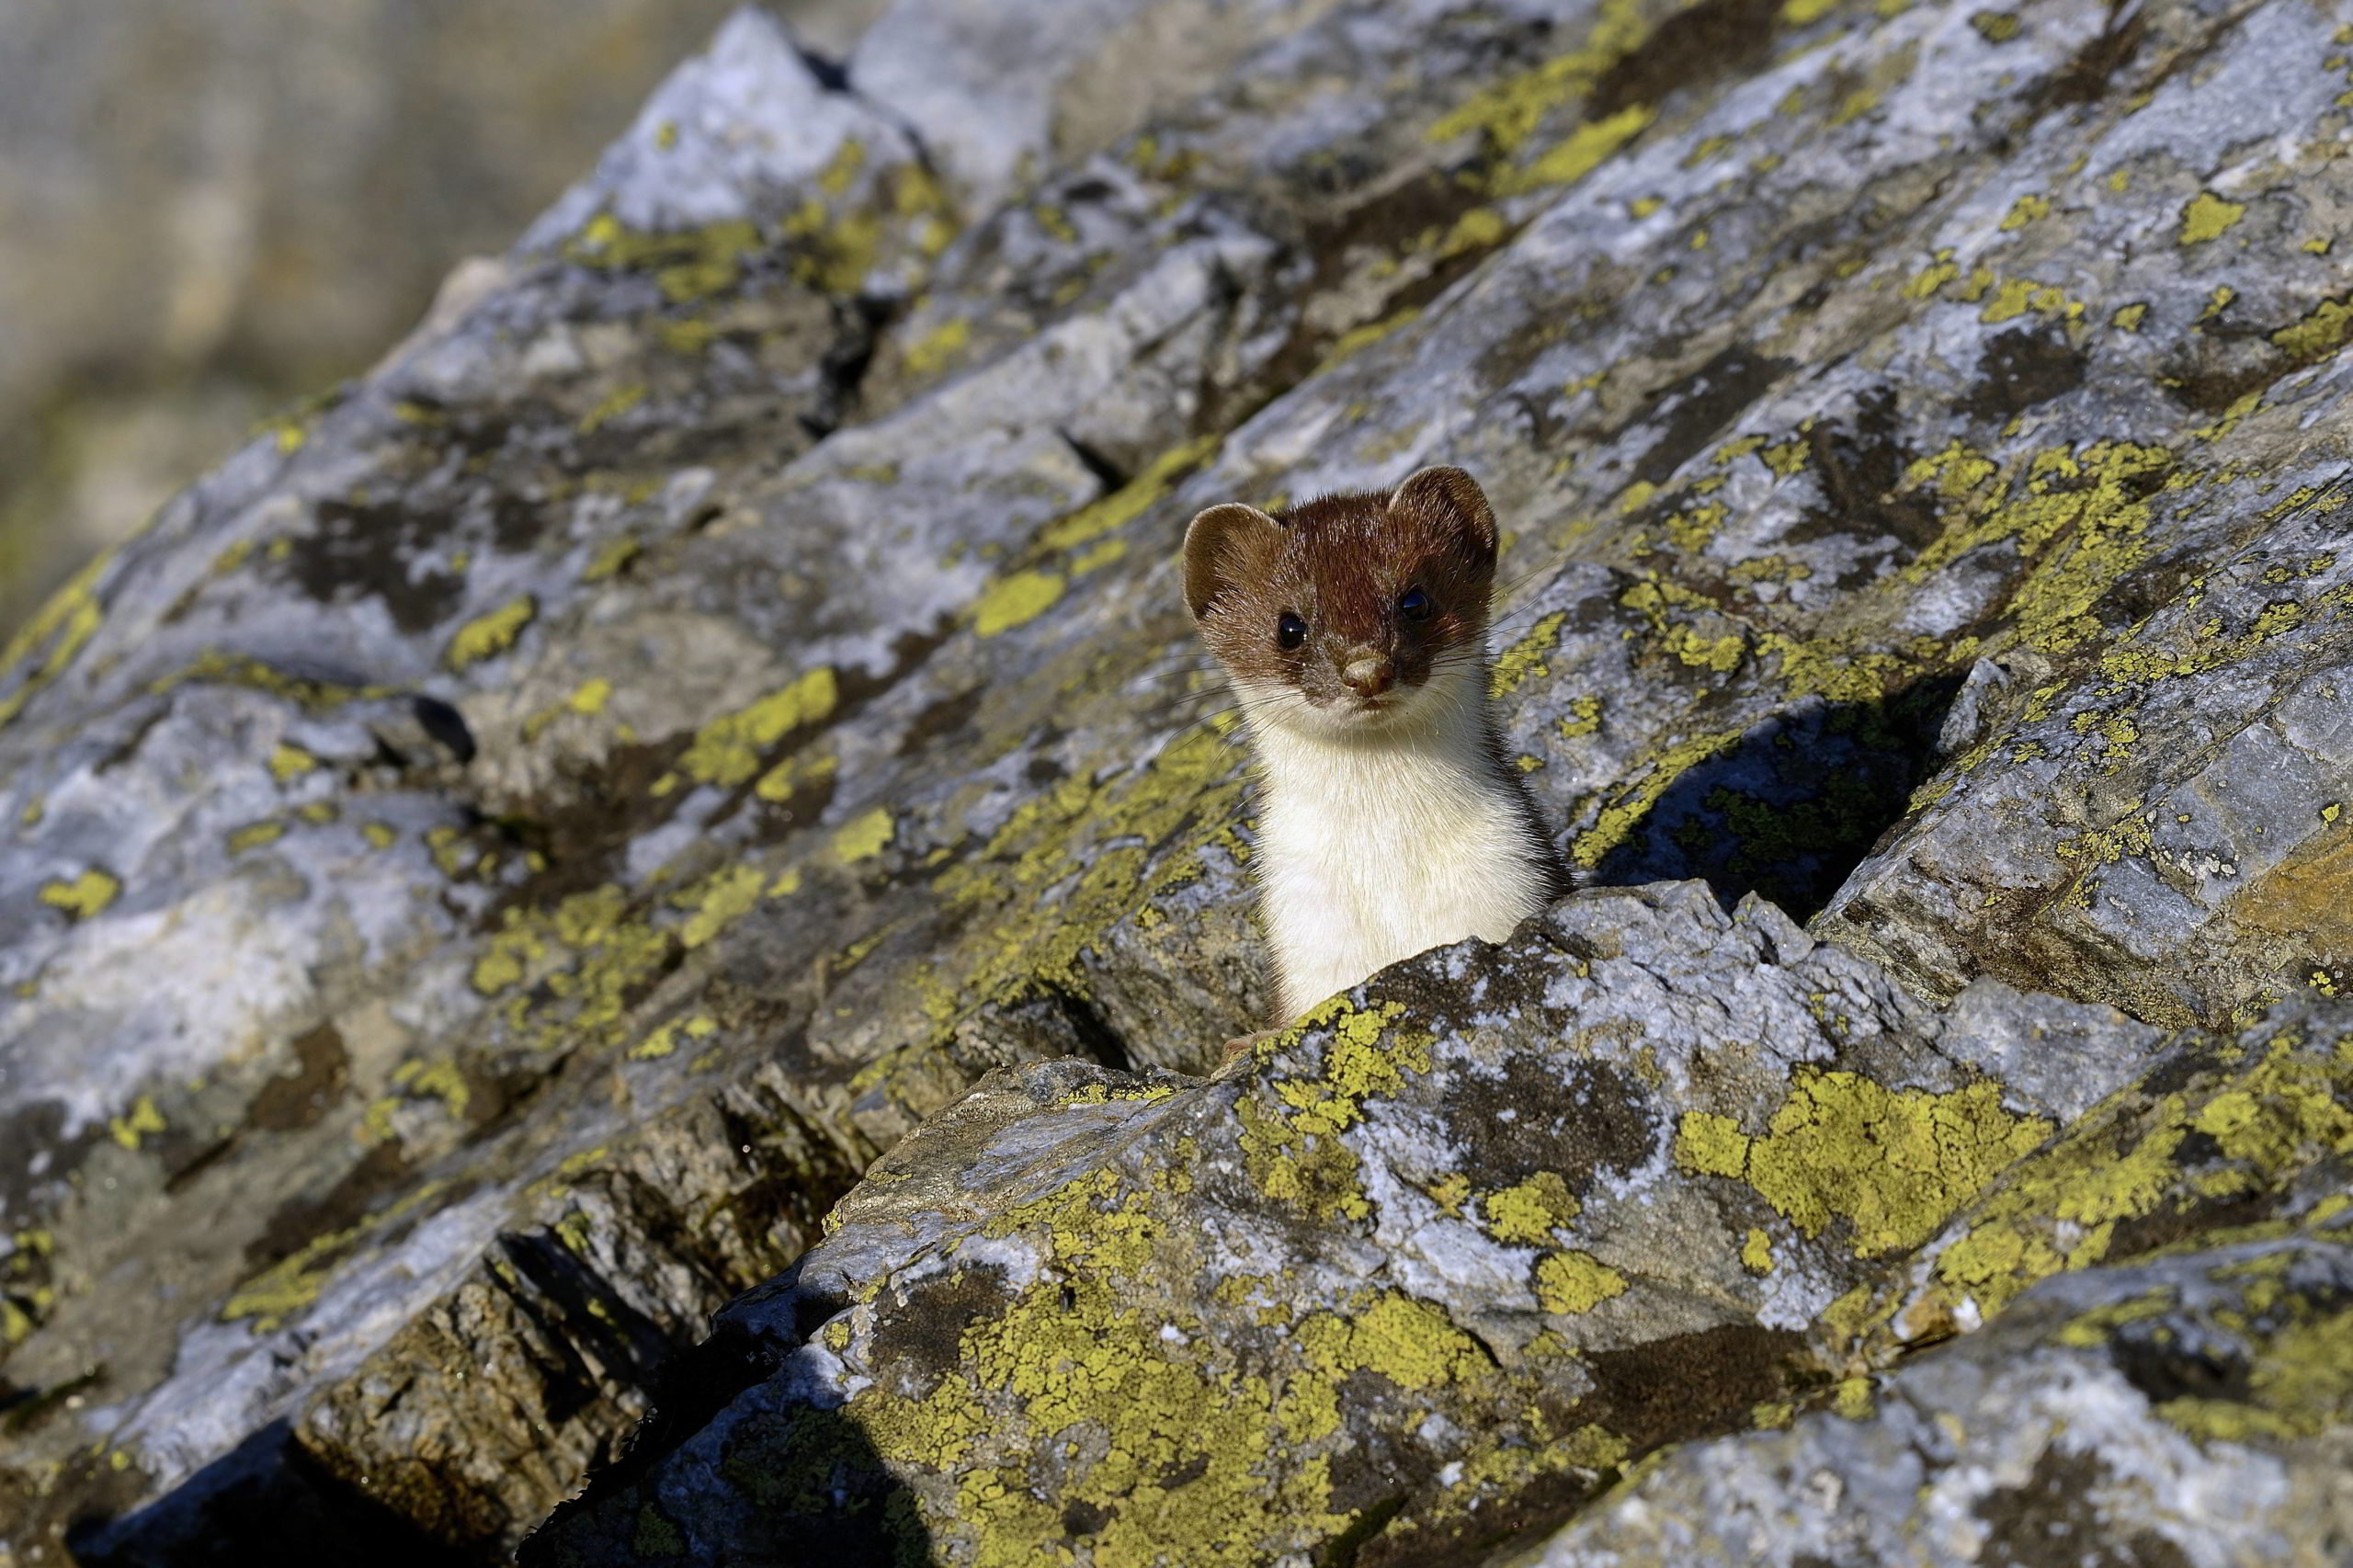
1353,630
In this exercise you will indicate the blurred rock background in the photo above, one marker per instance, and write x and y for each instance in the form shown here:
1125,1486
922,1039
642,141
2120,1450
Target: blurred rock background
212,208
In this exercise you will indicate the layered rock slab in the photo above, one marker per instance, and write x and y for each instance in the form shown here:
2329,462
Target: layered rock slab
788,755
1430,1269
2164,1379
484,875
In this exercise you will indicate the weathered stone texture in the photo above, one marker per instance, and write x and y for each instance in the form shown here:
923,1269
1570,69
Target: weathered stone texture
507,852
1443,1261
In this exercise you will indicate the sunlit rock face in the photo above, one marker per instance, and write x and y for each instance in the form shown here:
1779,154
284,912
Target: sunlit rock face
707,735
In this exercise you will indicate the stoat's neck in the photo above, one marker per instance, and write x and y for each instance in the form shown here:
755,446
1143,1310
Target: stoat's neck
1440,748
1378,846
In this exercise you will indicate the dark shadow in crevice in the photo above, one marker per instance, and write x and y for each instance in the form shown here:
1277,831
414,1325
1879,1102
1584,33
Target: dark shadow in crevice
265,1503
1792,807
819,1491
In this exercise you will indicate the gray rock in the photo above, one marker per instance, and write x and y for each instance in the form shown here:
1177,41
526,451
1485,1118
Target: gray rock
509,851
2187,1406
1427,1271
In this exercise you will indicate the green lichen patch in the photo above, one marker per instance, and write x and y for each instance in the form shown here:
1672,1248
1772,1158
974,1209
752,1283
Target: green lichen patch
570,973
82,896
2207,216
1571,1282
38,652
1893,1164
687,265
1524,660
1507,113
1016,599
490,634
730,749
1528,1212
1411,1343
2144,1170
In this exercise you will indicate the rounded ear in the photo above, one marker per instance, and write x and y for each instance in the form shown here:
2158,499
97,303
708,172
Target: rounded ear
1221,545
1451,498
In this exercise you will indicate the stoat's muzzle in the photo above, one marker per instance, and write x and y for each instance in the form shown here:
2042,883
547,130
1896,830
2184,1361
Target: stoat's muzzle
1367,672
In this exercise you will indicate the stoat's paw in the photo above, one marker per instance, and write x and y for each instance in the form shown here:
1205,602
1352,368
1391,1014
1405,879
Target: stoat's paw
1241,1045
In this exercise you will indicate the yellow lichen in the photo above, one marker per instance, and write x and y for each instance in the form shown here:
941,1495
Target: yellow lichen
83,896
864,837
1894,1164
727,749
939,347
63,626
440,1080
490,634
1620,817
2060,1210
611,558
1526,1211
1507,113
615,403
2321,331
1017,599
1583,718
1524,660
665,1040
142,1119
2207,216
1583,150
2300,1386
255,834
687,265
1571,1282
1411,1343
290,762
2025,210
1123,505
727,897
1371,333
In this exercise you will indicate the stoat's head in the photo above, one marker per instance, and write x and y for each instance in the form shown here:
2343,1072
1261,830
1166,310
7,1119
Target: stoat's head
1348,614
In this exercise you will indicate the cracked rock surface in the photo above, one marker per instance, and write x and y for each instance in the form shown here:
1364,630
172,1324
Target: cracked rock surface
504,857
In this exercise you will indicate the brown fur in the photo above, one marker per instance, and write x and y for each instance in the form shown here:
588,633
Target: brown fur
1341,563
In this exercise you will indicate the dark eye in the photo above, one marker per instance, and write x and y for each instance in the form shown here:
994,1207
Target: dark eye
1289,631
1416,604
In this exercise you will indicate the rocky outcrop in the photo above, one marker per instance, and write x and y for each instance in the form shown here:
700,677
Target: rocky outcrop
1430,1273
1427,1272
512,849
2162,1378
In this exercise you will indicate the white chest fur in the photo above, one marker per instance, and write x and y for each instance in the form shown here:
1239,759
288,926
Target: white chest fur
1372,848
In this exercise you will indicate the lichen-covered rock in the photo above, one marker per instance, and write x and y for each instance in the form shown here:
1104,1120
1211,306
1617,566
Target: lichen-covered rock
2191,1404
1423,1272
506,852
